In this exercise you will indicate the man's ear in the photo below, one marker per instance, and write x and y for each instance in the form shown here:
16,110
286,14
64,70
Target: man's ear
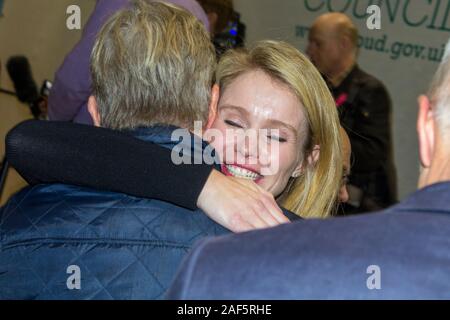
93,110
425,131
311,160
213,106
314,155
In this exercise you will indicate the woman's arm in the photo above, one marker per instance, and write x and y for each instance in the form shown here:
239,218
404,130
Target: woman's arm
61,152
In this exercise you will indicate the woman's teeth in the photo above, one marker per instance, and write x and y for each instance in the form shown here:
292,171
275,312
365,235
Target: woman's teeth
239,172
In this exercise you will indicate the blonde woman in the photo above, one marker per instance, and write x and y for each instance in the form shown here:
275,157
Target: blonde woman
274,86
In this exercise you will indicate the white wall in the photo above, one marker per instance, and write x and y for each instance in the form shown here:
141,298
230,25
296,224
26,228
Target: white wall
405,77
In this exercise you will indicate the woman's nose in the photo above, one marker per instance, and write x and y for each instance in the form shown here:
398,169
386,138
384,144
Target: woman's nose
248,146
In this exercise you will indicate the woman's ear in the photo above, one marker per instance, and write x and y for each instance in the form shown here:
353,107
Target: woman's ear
93,110
310,160
297,172
213,106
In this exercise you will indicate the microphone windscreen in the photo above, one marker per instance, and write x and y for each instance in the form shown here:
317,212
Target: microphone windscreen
19,71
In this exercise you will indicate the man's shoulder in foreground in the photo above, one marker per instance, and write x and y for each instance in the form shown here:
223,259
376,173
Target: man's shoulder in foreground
400,253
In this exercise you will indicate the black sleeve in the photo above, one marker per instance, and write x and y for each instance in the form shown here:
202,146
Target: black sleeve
61,152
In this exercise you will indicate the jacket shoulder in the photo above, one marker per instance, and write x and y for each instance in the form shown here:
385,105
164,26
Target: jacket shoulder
334,256
68,212
369,82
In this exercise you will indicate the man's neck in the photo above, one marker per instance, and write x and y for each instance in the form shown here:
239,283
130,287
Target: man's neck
341,73
438,172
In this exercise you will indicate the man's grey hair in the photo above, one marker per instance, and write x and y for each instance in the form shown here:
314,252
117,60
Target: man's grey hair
153,63
439,93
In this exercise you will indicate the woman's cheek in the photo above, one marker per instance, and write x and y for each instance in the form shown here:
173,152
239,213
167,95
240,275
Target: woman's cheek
269,159
287,159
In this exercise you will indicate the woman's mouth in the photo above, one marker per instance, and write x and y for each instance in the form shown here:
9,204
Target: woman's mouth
240,172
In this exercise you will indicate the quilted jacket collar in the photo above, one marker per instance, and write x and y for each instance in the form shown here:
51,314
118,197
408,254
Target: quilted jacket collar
165,136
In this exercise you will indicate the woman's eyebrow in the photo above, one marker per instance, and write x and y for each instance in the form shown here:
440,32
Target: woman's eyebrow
282,125
234,108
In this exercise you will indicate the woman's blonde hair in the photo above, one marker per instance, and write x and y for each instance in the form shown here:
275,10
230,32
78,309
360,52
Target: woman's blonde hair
314,193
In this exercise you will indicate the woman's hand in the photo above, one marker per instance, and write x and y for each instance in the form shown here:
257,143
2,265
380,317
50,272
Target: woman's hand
239,205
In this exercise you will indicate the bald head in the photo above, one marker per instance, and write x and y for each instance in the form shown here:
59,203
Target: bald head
333,43
338,25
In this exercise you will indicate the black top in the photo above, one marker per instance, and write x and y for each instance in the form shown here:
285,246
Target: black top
61,152
365,112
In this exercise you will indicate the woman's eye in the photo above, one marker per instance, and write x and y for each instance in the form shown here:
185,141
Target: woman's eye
233,124
277,138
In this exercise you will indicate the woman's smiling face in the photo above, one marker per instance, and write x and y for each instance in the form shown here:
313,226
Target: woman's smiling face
255,105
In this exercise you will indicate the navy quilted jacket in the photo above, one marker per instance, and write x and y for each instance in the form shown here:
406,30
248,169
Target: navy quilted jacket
67,242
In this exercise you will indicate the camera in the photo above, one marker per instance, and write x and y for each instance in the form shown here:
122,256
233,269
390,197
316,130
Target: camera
232,37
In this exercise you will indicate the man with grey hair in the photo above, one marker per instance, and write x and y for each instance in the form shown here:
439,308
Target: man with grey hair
400,253
72,85
152,70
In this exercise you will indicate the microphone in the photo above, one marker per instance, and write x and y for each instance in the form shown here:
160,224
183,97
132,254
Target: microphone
19,70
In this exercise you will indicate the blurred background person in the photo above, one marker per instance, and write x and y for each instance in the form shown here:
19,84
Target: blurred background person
219,13
364,109
227,30
72,85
